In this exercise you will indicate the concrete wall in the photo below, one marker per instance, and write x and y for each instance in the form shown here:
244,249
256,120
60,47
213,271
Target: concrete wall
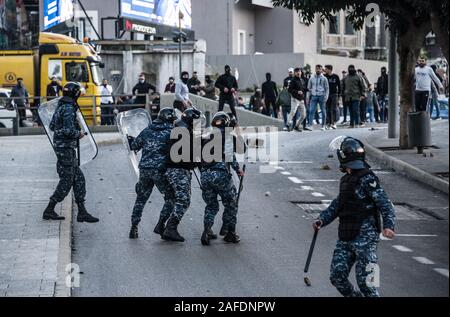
123,68
210,108
252,68
274,30
304,37
212,21
244,19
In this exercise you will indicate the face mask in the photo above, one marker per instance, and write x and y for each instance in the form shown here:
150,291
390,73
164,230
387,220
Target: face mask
227,71
105,85
352,71
184,80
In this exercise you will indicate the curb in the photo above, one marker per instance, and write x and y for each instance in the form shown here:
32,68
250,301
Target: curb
65,248
408,169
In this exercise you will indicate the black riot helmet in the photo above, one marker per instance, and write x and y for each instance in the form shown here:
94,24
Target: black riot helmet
221,120
352,154
190,115
167,115
73,90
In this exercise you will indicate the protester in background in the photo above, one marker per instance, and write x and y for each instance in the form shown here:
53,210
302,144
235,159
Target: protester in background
284,101
363,110
142,89
334,83
107,102
318,93
170,87
228,86
424,77
54,89
19,94
270,94
372,104
241,103
355,92
382,92
210,88
194,84
298,109
182,101
288,79
256,101
434,103
345,105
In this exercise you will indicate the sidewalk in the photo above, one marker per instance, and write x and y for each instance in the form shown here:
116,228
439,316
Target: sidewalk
33,253
431,169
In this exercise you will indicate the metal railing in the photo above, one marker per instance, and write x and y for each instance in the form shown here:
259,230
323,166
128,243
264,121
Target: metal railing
18,113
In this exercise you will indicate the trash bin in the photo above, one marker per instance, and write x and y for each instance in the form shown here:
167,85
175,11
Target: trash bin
419,130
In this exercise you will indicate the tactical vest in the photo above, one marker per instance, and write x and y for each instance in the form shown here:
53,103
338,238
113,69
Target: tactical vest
353,210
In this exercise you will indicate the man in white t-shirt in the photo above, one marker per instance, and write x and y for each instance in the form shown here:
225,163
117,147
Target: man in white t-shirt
107,102
424,76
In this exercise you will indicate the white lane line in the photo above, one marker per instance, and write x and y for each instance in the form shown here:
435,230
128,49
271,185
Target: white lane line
295,180
423,260
318,195
442,272
416,235
278,168
401,248
307,188
321,180
286,173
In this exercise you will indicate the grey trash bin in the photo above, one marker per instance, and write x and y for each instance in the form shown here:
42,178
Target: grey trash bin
419,129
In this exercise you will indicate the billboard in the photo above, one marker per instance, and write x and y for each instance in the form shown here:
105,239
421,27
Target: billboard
57,11
161,12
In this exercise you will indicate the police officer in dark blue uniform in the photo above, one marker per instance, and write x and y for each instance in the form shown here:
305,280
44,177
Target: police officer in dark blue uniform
359,205
67,133
154,142
217,180
184,157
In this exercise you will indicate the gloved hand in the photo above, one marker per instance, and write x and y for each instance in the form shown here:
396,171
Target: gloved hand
130,141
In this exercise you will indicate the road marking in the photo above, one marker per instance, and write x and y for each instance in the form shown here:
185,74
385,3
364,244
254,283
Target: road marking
318,195
295,180
307,188
321,180
279,168
423,260
286,173
442,272
401,248
417,235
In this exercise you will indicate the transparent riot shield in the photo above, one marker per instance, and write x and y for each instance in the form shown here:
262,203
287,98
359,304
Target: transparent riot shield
87,150
132,123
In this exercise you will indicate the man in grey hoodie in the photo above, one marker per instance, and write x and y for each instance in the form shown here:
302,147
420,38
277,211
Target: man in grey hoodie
318,93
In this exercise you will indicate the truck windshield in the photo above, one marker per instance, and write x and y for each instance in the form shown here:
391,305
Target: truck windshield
96,74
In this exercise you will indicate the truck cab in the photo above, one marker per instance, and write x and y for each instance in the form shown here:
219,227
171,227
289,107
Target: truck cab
57,55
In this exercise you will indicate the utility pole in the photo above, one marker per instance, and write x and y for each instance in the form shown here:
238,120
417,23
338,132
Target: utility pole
180,45
393,130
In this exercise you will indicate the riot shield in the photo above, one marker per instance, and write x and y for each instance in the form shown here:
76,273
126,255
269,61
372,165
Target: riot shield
132,123
88,149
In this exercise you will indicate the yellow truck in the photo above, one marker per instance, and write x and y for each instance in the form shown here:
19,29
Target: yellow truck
57,55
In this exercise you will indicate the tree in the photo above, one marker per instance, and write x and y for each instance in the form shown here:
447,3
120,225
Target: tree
409,20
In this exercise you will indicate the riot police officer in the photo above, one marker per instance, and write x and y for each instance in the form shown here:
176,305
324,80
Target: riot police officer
154,143
182,160
67,133
359,205
216,179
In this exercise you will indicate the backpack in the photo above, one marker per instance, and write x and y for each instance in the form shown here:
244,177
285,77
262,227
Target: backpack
284,98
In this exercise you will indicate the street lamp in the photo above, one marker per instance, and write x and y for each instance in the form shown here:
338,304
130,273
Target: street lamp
179,38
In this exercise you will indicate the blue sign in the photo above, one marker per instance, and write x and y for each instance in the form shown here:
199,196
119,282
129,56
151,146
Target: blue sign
163,12
57,11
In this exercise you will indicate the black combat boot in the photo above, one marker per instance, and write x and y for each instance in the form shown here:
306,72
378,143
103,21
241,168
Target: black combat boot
160,226
171,232
84,216
49,212
208,235
134,233
231,236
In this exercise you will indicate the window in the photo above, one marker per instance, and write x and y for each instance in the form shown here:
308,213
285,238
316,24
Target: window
333,25
97,75
55,69
349,30
242,50
77,72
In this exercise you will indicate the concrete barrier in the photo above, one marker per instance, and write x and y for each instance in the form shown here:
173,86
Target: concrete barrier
210,107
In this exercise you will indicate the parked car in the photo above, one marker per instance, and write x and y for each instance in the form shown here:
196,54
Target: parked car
7,110
443,108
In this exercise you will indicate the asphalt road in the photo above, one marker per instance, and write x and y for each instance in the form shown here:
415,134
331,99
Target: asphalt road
275,233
